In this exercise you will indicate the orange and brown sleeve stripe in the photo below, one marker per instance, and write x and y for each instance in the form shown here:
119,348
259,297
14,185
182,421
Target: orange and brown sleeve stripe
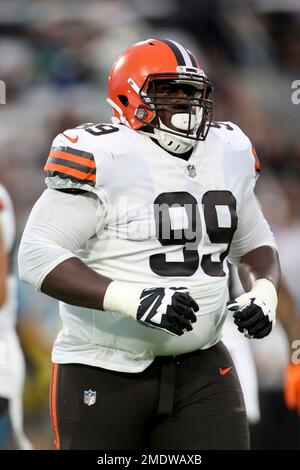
73,164
257,162
53,405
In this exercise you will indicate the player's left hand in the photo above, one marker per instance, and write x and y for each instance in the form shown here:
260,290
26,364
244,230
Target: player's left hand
292,387
255,311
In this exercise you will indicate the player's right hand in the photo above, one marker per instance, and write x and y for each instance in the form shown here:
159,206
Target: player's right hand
169,309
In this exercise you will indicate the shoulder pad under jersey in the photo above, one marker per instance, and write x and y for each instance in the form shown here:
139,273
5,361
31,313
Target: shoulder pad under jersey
230,134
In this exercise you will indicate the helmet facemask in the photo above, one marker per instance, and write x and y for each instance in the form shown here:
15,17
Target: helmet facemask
178,118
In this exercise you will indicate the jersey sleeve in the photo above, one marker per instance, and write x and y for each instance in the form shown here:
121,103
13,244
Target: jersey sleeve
252,231
257,166
58,226
251,171
72,163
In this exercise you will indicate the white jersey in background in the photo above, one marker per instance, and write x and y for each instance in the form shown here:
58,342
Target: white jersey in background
240,350
12,364
135,194
8,230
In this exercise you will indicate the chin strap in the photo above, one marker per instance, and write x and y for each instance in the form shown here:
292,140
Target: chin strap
170,142
115,120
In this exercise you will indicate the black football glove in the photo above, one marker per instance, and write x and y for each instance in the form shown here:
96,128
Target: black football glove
251,320
169,309
255,311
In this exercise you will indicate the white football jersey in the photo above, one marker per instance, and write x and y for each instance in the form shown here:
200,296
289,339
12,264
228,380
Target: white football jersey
7,224
12,363
162,221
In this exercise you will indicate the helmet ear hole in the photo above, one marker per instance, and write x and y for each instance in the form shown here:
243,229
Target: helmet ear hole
124,100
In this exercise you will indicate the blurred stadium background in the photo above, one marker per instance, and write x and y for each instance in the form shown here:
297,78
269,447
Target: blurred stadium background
54,59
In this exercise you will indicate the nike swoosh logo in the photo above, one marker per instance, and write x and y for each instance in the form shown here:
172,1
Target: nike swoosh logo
71,139
224,371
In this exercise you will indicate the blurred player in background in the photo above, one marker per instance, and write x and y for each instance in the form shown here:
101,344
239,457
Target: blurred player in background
278,368
290,321
241,350
12,366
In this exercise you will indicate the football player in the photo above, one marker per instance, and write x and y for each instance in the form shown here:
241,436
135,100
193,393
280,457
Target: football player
132,236
12,364
290,321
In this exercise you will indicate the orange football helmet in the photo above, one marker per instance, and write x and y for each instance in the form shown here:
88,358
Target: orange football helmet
133,76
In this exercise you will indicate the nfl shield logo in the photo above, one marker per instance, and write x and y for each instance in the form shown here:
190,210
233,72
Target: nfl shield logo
191,171
89,397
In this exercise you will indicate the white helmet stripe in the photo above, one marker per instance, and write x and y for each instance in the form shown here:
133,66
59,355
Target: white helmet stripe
184,53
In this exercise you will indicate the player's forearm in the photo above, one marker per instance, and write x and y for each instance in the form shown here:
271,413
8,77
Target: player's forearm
75,283
255,310
261,263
